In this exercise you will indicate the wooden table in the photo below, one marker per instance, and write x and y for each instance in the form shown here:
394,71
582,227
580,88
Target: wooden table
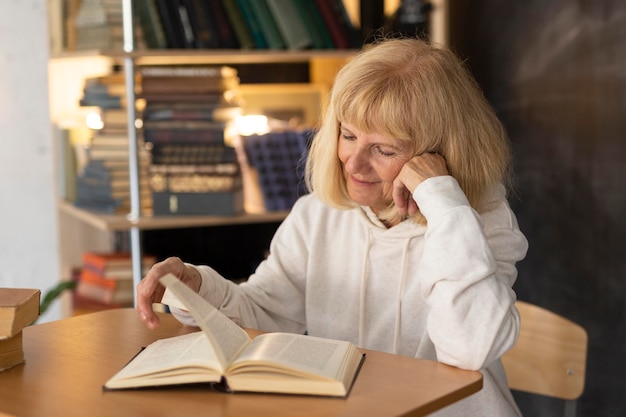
67,361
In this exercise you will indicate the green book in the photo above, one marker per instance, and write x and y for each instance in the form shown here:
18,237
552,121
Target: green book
267,24
314,24
290,24
244,37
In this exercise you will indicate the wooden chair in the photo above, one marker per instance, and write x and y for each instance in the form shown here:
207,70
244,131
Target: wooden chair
549,358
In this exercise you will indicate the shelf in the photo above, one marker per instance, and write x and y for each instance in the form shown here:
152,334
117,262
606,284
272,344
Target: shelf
213,56
121,222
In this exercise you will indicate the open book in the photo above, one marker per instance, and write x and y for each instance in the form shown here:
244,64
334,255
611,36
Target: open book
223,353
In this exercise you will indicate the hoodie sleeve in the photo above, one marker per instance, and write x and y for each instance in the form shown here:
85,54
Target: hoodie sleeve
467,273
271,299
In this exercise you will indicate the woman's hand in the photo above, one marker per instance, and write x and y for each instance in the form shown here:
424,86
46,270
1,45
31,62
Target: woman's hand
413,173
151,291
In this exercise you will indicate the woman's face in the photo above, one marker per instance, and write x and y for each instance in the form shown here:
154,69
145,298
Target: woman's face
370,164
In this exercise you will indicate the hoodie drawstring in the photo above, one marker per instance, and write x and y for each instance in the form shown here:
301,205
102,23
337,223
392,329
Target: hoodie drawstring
364,275
403,273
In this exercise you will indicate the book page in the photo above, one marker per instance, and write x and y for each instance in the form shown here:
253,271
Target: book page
226,337
169,361
318,356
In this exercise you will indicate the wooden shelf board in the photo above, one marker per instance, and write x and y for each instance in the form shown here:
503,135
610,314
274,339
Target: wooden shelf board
121,222
213,56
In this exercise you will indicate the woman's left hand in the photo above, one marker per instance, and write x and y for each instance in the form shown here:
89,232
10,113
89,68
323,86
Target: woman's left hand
413,173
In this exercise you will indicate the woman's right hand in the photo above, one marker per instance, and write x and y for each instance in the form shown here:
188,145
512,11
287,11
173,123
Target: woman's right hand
151,291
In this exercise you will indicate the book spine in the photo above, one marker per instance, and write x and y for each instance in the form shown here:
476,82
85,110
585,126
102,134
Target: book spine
227,37
278,158
267,24
341,13
290,24
220,168
317,41
194,183
252,22
183,16
151,24
311,13
169,21
340,37
212,204
238,24
202,23
191,154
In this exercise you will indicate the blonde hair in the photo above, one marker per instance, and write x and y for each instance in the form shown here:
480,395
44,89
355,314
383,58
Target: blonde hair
416,92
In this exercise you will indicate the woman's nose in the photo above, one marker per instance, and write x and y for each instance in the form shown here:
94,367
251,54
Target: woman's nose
357,160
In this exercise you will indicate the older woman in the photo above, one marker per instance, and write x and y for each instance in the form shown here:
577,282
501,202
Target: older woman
406,243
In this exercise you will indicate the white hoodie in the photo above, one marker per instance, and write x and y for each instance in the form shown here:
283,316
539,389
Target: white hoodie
441,292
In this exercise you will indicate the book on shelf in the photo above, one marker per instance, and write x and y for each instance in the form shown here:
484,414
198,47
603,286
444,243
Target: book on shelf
114,121
238,24
216,97
67,162
290,23
227,36
315,25
11,351
214,203
195,183
19,307
339,25
81,304
221,112
192,154
98,25
151,25
186,84
203,24
109,139
120,294
278,158
222,354
114,265
267,24
170,22
182,13
173,131
251,19
219,168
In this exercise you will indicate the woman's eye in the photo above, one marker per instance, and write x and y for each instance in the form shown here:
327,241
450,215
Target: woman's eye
348,136
384,152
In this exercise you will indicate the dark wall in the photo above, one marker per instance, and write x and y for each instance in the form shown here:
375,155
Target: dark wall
556,73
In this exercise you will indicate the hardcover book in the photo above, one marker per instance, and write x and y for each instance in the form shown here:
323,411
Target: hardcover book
290,24
11,351
19,307
222,354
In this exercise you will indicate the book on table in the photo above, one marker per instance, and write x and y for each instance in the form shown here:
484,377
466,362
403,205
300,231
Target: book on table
19,307
223,355
11,351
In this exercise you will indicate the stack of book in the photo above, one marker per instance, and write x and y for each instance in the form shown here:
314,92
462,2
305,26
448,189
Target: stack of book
106,280
187,118
19,307
103,183
247,24
98,25
278,158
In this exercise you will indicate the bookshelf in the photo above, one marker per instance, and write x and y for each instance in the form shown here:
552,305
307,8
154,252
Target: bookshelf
101,230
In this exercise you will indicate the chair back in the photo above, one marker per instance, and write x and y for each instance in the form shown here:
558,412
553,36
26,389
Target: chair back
550,356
